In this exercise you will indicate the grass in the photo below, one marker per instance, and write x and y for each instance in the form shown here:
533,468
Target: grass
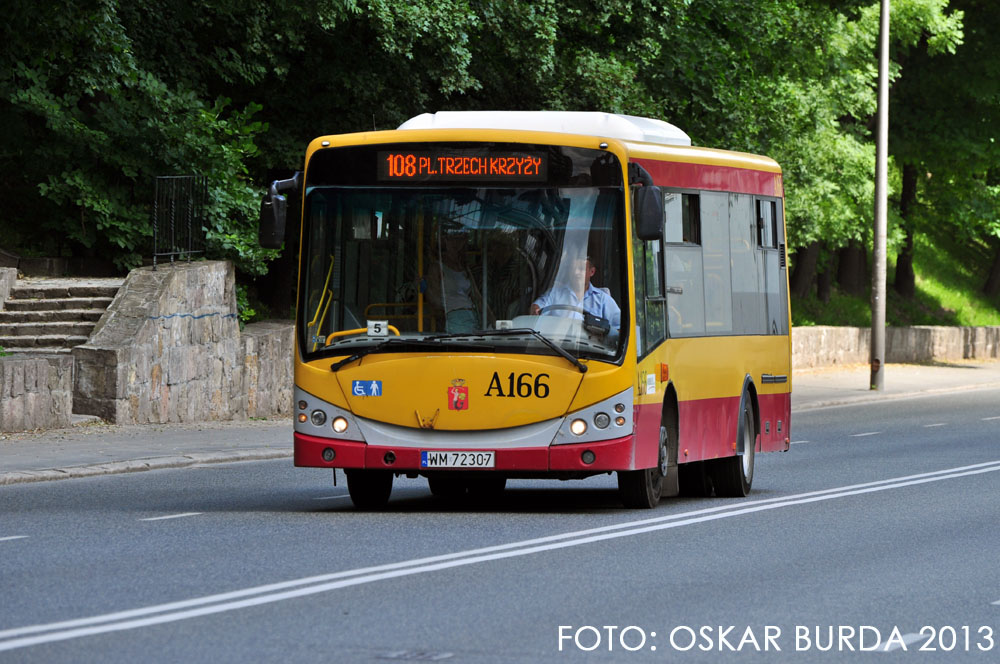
950,275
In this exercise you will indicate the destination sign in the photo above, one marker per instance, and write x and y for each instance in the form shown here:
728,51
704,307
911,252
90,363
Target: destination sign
450,165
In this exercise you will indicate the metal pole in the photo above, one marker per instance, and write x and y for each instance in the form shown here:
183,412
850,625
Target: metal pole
878,253
156,219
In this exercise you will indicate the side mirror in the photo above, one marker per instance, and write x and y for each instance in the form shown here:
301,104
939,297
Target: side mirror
271,233
273,213
648,211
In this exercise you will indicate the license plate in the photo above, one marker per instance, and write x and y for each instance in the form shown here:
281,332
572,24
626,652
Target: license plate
446,459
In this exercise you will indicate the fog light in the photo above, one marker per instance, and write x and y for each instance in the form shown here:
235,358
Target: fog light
303,405
602,420
619,408
303,417
329,454
578,427
318,418
587,457
389,458
339,424
620,421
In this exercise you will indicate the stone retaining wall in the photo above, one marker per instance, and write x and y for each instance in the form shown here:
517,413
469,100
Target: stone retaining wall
35,392
169,349
822,346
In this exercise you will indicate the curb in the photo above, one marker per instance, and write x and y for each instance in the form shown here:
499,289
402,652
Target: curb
138,465
159,463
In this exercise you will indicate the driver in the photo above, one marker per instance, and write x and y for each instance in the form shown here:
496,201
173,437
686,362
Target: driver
577,295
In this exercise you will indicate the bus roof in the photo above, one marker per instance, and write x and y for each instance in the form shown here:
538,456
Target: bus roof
593,123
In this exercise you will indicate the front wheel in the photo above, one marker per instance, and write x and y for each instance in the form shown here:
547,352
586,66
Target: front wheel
369,489
642,489
733,475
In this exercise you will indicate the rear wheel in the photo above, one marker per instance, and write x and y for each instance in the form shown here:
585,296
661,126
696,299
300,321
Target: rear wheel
369,489
733,475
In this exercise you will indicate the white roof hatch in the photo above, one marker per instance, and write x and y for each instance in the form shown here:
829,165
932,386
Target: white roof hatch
592,123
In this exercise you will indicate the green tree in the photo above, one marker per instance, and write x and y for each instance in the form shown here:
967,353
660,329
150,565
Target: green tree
943,133
85,124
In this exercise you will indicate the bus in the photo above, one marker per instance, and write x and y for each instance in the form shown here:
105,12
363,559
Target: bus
485,296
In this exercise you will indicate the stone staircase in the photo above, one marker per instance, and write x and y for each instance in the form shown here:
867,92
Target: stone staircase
52,315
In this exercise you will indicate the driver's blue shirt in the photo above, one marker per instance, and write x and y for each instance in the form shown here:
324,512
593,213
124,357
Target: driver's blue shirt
595,301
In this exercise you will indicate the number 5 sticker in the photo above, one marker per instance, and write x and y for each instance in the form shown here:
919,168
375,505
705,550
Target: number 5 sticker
378,328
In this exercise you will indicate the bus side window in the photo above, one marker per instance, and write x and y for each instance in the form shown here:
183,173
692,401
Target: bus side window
656,325
772,248
682,218
749,306
685,293
715,246
647,257
639,263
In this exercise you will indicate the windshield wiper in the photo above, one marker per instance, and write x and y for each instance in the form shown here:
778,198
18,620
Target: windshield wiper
361,353
541,337
436,339
426,342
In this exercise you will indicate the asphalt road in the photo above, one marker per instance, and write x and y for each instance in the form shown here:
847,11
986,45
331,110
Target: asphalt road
879,527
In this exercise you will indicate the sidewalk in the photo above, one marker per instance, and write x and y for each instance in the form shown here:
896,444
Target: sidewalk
836,386
101,449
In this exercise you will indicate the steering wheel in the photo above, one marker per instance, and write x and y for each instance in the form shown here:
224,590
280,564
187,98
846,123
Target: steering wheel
561,307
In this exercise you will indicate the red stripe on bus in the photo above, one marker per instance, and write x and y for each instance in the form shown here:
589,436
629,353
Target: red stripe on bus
708,428
683,175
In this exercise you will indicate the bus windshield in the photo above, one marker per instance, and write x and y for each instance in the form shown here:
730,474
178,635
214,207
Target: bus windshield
465,265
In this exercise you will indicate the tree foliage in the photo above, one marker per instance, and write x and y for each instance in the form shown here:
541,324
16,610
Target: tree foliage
101,95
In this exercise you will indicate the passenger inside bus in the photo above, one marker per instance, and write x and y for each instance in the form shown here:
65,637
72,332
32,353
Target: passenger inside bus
448,286
575,297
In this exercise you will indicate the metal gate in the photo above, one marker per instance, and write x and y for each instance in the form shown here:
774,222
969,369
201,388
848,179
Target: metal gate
179,217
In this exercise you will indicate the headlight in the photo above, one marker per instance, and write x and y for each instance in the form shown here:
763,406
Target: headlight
578,427
339,424
318,418
602,420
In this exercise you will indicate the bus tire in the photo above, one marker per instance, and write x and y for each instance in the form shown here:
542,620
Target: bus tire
369,489
642,489
733,476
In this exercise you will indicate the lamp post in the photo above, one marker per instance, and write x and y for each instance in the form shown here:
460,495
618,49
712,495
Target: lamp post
878,253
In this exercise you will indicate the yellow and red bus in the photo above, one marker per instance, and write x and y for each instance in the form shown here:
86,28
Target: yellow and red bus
493,295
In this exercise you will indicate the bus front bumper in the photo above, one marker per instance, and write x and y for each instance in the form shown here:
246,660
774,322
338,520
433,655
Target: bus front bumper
608,455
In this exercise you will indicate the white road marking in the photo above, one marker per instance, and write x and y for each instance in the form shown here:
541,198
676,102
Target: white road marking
907,639
987,419
797,442
12,537
869,433
939,424
332,497
276,592
171,516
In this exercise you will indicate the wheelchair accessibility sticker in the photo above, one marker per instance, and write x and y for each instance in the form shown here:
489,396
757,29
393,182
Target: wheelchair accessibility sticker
366,388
